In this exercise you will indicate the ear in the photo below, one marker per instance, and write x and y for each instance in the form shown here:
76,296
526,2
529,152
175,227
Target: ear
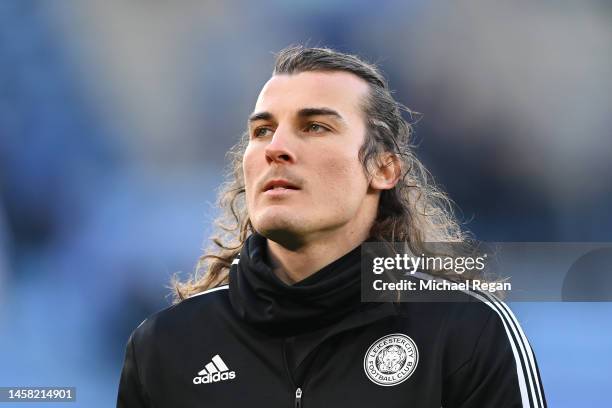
386,171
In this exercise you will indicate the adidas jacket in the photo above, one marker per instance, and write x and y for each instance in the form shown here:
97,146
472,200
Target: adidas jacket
258,342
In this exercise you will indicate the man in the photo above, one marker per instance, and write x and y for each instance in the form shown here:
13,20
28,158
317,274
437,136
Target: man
276,318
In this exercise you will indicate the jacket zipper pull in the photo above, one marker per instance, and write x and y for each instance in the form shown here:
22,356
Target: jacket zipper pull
298,398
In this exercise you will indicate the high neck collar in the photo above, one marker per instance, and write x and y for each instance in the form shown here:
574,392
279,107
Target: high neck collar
259,297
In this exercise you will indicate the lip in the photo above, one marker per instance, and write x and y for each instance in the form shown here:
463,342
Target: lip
279,192
279,186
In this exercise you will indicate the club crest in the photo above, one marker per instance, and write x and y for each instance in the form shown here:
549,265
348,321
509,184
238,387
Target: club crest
391,359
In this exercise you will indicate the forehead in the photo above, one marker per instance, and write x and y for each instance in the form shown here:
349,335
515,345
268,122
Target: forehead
337,90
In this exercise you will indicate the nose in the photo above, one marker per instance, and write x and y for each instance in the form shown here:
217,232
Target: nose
280,149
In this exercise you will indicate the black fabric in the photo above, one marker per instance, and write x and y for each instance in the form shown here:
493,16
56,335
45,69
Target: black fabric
315,339
260,298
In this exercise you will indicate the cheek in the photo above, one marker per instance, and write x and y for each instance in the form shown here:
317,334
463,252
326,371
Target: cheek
249,163
249,170
342,177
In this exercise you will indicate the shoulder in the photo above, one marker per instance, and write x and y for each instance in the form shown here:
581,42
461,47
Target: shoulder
455,306
486,355
198,309
464,318
462,305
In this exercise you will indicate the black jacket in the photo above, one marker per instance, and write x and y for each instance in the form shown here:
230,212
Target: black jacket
258,342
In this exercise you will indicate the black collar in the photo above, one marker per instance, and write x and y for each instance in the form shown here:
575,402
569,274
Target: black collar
259,297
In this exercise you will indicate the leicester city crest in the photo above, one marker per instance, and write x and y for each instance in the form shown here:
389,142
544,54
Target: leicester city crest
391,359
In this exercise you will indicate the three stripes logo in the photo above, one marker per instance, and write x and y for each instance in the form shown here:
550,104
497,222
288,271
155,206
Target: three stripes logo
214,371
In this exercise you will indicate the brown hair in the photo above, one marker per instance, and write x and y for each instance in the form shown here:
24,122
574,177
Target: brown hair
414,212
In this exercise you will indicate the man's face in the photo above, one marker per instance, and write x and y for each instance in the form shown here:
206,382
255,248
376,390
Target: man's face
302,174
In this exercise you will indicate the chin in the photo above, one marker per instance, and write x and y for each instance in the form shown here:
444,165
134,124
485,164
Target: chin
274,225
281,228
275,217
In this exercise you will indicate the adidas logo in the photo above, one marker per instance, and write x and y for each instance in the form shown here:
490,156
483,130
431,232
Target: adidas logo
214,371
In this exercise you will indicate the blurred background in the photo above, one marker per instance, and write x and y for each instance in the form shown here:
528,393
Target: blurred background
115,117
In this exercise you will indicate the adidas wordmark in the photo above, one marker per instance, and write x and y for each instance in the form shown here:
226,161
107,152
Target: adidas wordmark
214,371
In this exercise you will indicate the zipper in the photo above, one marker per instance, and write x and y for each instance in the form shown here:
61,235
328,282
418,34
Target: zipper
298,390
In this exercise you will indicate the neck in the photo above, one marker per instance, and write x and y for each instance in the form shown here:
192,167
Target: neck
292,265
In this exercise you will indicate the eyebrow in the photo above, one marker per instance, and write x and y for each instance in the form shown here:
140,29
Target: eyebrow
302,113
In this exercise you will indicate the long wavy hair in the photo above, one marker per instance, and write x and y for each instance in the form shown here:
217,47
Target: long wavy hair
414,212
